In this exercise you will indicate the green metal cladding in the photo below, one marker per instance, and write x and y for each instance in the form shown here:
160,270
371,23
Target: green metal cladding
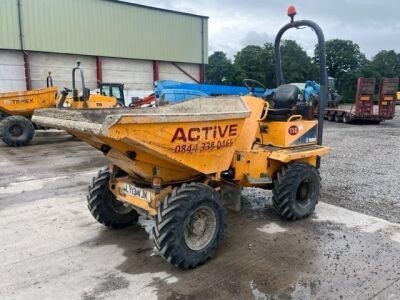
104,28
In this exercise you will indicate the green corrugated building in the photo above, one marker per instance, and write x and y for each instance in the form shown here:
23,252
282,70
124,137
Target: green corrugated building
116,41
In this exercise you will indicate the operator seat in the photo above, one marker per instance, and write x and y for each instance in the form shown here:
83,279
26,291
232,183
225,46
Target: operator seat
284,100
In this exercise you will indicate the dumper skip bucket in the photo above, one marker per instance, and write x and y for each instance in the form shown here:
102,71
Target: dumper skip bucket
182,140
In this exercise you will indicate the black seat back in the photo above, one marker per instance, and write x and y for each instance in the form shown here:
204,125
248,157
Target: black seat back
285,96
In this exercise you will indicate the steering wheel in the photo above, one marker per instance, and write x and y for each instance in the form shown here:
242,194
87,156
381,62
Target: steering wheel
251,84
67,90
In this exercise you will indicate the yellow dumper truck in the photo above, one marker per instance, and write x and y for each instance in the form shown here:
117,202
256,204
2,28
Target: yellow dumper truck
16,108
178,163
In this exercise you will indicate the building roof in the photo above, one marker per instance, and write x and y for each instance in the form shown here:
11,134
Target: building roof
158,8
111,28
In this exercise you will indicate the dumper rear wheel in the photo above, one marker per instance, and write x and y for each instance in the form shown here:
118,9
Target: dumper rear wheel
104,207
296,191
16,131
189,225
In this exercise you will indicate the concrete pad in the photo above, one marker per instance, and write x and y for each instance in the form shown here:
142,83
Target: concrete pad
52,248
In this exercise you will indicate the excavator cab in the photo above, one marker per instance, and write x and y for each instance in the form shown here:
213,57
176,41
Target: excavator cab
115,90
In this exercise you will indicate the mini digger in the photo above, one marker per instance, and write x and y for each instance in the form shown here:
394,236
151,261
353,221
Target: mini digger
178,163
16,108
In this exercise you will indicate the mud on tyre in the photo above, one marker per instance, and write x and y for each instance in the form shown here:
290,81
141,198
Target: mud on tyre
189,225
16,131
296,191
104,207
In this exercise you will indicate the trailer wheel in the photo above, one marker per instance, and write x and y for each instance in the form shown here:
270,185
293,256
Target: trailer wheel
16,131
189,225
296,191
331,116
338,118
346,118
104,207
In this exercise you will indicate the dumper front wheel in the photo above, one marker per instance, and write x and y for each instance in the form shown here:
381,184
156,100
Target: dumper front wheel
296,191
189,225
16,131
104,207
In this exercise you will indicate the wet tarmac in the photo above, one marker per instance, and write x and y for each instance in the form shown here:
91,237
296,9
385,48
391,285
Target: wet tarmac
52,248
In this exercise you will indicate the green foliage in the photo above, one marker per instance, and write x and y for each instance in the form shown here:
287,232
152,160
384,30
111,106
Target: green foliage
387,63
296,64
248,60
257,62
345,62
342,56
219,68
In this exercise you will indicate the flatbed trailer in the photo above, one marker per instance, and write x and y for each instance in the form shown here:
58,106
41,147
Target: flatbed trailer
363,109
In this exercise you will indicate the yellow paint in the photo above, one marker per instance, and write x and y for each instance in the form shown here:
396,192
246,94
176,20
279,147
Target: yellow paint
284,134
365,98
184,148
117,189
24,103
94,101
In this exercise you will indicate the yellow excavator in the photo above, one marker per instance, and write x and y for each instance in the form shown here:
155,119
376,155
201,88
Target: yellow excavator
16,108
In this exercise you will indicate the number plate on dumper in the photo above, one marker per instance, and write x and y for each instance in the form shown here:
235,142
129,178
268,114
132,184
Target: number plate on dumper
137,192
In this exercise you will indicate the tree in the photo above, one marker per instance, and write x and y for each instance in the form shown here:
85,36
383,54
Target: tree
296,64
219,69
267,61
345,62
258,63
248,63
342,56
386,63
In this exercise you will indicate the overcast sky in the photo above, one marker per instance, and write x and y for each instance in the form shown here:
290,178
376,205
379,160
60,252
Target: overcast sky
373,24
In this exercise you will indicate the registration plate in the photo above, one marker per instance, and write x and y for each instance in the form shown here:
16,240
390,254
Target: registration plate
137,192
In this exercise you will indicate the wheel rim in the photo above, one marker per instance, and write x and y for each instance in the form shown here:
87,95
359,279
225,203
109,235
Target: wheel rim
200,228
118,206
16,130
304,191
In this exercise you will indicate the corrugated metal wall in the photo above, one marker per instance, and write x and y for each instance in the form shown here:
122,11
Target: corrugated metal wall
168,72
9,33
135,74
12,75
60,66
104,28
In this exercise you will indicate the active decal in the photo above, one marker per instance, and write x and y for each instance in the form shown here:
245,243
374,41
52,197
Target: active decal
206,138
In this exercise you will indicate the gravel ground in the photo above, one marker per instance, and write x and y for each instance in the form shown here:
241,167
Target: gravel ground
51,245
361,173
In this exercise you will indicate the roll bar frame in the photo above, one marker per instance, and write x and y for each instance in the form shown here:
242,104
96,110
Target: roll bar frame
323,96
323,76
75,94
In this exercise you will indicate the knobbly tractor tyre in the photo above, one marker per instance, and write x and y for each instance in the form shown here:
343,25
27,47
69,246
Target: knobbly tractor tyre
16,131
105,208
189,225
296,191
